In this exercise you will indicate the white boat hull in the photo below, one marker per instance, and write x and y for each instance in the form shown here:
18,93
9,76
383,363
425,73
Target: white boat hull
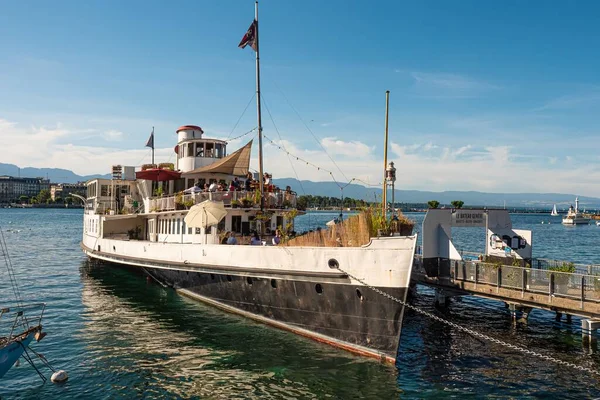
292,288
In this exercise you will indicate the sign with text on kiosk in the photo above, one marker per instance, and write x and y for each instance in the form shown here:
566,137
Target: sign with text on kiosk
469,218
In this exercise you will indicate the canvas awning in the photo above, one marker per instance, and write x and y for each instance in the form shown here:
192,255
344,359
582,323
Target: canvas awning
236,163
158,174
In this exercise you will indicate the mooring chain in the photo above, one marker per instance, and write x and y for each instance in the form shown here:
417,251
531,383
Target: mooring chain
472,332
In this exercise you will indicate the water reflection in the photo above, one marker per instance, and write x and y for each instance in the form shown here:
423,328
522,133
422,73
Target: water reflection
147,339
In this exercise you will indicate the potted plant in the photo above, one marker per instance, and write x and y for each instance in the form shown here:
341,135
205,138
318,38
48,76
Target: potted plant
246,203
179,201
235,204
188,203
169,166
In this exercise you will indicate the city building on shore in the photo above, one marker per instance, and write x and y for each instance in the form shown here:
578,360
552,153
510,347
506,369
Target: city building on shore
12,188
63,190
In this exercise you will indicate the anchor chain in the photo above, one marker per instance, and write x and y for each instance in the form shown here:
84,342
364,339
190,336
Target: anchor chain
473,332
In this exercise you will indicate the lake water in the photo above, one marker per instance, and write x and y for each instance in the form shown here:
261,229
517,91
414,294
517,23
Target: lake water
120,336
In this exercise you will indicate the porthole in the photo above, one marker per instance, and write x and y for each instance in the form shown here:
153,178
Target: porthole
273,283
333,263
249,280
229,278
359,294
319,288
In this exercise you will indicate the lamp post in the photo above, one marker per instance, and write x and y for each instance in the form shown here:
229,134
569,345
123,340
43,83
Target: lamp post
390,178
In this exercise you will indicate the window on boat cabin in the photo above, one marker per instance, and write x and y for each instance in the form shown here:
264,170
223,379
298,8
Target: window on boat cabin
210,150
279,222
236,223
201,183
170,225
198,231
188,150
208,230
199,149
219,150
177,224
104,192
210,181
189,230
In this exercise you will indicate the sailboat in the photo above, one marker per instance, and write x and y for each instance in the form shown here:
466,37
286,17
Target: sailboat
237,249
554,213
19,324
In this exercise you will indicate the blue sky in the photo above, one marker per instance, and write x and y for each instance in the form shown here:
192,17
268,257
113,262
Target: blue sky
489,96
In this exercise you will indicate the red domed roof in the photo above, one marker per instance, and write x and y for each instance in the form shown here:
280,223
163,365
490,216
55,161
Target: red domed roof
193,127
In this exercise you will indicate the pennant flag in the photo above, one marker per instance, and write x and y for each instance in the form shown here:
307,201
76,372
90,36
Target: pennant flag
250,37
150,142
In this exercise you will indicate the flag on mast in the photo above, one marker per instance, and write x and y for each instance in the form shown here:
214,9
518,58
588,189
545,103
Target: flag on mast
150,142
250,37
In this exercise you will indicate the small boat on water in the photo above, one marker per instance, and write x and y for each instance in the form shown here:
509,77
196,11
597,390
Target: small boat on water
19,325
574,217
554,212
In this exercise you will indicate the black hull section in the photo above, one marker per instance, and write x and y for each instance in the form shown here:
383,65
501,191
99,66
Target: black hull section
348,316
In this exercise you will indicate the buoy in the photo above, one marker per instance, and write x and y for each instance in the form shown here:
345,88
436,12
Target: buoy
59,376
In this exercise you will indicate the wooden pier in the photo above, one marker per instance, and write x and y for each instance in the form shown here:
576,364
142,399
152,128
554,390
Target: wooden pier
522,288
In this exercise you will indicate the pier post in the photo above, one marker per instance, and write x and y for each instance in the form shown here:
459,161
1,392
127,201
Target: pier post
441,299
588,332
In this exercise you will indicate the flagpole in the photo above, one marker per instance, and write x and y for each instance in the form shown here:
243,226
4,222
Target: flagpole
260,146
152,145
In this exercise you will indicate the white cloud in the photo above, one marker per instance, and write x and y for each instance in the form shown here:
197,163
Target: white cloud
113,135
340,147
445,85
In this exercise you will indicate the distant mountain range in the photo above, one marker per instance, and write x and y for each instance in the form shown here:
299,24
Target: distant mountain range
471,198
331,189
56,175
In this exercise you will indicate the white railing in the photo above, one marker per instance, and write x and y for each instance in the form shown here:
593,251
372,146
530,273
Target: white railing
242,199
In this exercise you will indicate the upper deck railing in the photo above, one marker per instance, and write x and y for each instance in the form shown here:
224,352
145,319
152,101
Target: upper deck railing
241,199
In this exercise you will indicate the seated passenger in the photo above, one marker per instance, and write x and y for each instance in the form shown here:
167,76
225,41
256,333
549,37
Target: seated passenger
213,187
225,239
232,239
277,237
255,241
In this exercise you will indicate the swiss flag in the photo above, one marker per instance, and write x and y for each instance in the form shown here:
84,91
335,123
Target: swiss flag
250,37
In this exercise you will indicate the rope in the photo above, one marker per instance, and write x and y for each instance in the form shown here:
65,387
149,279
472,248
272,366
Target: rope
9,268
281,141
242,135
311,132
241,116
475,333
319,168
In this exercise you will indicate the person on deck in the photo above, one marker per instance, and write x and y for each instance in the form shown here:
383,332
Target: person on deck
277,237
248,182
232,239
213,187
255,241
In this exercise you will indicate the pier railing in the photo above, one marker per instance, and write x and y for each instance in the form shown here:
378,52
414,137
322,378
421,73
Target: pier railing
547,264
575,286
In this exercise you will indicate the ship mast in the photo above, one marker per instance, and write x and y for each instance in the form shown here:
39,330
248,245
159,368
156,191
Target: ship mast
260,146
